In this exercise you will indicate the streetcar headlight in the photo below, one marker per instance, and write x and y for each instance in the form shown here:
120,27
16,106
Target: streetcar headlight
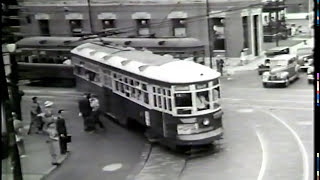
206,122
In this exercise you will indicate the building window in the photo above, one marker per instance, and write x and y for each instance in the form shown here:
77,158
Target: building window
44,27
76,27
218,33
143,27
108,23
28,19
179,27
245,32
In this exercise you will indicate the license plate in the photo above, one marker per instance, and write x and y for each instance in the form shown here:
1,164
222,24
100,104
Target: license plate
187,128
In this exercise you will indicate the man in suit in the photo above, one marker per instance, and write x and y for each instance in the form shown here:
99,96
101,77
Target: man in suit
62,132
85,111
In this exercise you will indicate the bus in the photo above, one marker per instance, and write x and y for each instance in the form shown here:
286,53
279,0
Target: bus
176,100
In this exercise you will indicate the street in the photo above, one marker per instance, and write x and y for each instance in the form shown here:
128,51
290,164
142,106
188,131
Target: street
112,153
268,135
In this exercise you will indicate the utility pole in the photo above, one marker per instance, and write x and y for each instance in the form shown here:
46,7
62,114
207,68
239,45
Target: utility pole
11,142
90,17
210,35
277,22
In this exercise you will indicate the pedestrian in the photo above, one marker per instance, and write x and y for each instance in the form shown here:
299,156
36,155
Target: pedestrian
19,133
49,120
242,57
220,63
66,61
62,132
95,115
52,149
36,120
85,111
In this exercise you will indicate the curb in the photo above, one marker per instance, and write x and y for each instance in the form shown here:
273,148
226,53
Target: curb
143,160
53,168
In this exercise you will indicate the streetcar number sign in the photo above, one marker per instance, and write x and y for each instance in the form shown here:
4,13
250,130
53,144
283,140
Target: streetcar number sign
187,128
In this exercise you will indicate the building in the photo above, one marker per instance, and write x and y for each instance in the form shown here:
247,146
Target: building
237,24
10,21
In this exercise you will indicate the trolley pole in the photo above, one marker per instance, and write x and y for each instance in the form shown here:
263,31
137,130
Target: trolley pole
90,17
210,35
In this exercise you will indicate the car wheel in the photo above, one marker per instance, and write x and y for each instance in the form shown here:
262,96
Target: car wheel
265,85
298,75
310,81
287,82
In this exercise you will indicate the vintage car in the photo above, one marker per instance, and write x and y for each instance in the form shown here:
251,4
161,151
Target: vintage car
310,73
269,54
304,54
283,70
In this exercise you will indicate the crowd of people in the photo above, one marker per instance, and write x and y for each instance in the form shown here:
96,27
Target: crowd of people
45,121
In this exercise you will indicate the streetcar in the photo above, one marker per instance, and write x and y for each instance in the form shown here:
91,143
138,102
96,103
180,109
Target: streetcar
42,57
176,100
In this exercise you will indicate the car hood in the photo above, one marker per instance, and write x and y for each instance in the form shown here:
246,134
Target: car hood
276,69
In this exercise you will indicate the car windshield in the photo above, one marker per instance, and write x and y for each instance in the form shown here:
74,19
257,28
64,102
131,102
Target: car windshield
279,63
304,51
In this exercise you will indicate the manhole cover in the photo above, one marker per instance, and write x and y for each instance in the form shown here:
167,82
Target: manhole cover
112,167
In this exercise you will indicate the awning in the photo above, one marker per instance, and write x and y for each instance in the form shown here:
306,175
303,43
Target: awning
107,16
72,16
42,16
141,15
178,15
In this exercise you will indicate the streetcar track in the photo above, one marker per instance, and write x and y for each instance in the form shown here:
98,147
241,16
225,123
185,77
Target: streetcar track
293,132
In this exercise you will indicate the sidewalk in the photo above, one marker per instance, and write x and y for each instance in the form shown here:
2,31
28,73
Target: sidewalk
37,163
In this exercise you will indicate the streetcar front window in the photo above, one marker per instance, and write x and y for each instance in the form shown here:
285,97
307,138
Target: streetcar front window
183,100
202,100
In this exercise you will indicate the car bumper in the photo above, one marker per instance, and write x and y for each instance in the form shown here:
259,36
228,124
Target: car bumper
274,81
310,77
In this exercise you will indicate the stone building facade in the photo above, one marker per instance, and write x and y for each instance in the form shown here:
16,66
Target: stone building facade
237,24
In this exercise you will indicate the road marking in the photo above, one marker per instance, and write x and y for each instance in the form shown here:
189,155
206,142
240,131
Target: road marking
271,90
266,100
301,146
264,156
245,110
112,167
305,123
271,107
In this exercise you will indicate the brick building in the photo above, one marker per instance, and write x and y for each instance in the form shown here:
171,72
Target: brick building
237,24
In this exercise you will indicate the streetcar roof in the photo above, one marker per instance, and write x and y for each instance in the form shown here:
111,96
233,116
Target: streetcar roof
145,63
52,41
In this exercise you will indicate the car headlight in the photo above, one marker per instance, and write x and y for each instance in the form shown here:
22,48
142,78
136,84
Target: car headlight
206,122
265,75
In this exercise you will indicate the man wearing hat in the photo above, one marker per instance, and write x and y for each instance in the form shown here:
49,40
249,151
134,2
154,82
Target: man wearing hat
35,119
62,132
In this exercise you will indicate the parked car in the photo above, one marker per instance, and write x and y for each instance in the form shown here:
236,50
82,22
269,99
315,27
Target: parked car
304,54
269,54
283,70
310,73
